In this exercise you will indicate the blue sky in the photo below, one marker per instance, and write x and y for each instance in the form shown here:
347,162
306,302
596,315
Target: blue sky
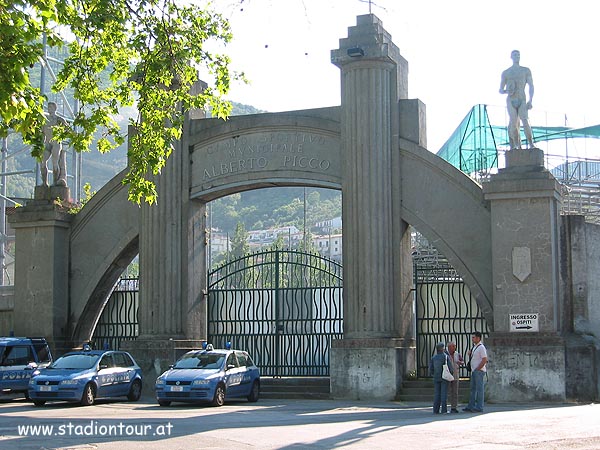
456,52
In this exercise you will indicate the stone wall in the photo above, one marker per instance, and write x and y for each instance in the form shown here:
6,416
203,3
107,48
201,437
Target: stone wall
7,304
592,233
593,297
580,290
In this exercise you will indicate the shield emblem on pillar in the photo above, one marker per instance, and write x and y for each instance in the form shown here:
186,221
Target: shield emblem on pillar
521,262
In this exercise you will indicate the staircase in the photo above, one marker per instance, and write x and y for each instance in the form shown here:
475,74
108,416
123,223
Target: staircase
421,390
314,388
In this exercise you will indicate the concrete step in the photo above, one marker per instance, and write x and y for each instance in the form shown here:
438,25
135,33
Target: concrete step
421,390
295,387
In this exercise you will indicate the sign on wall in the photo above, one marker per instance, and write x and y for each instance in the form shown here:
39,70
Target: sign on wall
524,323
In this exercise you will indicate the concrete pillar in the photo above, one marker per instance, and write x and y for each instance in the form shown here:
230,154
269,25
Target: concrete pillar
526,363
367,363
172,310
41,304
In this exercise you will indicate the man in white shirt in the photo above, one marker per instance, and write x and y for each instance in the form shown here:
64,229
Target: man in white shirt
479,360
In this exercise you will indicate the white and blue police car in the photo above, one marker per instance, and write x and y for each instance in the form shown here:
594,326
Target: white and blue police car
209,375
19,358
83,376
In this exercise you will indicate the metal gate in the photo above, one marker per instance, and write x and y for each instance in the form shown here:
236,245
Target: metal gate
446,311
283,306
119,319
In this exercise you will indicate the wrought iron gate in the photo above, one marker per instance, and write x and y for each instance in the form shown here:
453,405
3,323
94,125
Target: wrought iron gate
445,309
282,306
119,319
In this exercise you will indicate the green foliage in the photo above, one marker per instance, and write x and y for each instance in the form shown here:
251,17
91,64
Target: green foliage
151,51
88,194
239,242
275,207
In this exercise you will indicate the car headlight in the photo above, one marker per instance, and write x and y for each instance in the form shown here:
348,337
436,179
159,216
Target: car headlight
31,381
160,381
69,382
200,382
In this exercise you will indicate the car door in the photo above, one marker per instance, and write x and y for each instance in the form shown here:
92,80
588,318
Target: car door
246,379
233,378
15,367
124,373
106,376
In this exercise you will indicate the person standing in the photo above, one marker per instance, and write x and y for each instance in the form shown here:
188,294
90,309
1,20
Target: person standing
513,82
440,386
457,361
478,363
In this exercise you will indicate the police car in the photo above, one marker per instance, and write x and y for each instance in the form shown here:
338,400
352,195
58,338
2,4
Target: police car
83,376
19,357
209,375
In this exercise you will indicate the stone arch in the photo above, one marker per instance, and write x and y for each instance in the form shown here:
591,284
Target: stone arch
298,148
104,240
449,209
439,200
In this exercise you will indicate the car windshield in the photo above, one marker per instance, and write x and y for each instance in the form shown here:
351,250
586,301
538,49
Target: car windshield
201,360
76,361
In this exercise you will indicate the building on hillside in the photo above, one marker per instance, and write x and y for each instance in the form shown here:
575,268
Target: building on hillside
258,239
219,242
329,245
327,225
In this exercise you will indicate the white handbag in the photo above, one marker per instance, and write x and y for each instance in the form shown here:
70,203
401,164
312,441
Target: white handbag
446,375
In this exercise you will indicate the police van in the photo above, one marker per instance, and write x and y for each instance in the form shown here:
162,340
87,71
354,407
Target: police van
19,357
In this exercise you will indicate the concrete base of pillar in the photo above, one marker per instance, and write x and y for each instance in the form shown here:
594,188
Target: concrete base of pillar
155,355
526,368
369,369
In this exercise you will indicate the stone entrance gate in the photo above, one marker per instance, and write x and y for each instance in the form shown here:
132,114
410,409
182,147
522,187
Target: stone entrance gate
373,148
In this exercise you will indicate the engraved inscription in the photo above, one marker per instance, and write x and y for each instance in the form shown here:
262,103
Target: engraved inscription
264,151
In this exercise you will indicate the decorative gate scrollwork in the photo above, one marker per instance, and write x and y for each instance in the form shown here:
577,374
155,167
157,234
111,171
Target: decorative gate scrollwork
283,306
446,311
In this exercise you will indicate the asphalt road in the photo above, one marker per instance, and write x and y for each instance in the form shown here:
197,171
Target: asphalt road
296,424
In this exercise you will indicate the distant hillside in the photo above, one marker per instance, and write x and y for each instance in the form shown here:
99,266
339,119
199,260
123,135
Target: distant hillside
274,207
97,168
258,209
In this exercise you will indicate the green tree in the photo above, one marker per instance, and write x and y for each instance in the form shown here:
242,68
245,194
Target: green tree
120,52
239,242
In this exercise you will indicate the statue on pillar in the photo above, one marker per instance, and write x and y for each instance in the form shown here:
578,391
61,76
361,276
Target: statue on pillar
513,82
53,148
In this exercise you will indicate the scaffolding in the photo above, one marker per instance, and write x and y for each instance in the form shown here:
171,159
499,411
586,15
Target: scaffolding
68,107
476,147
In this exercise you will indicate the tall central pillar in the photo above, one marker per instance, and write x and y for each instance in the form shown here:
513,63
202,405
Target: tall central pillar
172,305
368,362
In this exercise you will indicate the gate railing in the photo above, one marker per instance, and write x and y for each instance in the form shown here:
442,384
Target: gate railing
119,319
446,311
283,306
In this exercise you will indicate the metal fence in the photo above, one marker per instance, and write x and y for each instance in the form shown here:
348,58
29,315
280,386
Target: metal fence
282,306
445,311
119,319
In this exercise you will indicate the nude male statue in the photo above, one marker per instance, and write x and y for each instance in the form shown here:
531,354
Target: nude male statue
513,83
53,148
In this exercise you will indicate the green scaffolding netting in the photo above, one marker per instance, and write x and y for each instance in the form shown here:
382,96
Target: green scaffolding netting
473,147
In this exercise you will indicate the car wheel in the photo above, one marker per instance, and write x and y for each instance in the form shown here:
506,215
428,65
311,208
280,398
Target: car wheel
89,394
39,402
255,392
135,391
219,398
164,402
